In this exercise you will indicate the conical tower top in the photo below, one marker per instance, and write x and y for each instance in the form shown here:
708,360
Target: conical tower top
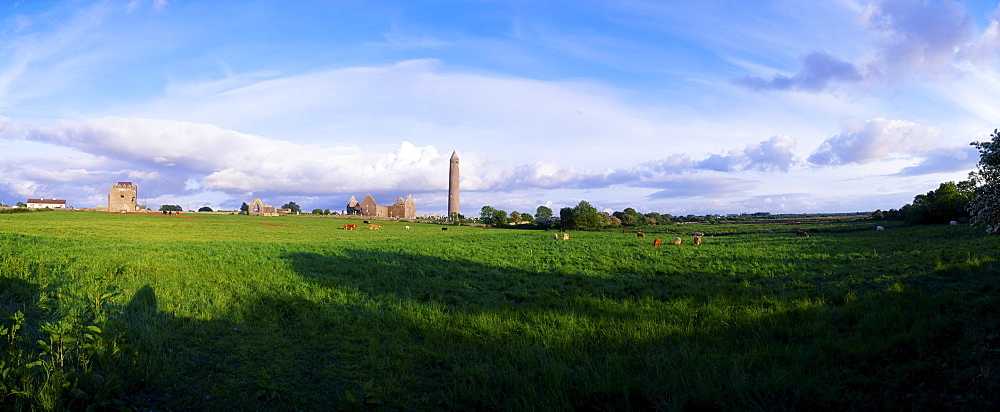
454,155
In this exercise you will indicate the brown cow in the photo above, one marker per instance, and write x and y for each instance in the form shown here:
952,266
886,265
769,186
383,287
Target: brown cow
624,230
565,236
677,240
374,227
697,240
656,242
350,227
640,234
801,233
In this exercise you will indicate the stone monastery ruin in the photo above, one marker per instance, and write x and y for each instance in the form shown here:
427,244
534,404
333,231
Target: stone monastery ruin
402,209
258,208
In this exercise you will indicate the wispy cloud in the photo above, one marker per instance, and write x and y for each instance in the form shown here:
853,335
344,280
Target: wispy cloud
41,61
158,5
909,37
944,160
706,186
819,70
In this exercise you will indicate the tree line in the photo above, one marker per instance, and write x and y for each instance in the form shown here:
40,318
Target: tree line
976,201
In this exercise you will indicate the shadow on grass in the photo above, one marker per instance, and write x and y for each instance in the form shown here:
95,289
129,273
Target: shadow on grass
390,329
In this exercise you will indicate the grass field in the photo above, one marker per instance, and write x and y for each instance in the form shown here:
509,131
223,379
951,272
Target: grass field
235,312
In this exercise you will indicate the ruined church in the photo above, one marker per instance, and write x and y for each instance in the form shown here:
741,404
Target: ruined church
258,208
402,209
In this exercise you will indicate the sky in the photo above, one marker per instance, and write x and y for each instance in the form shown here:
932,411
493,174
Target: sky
679,107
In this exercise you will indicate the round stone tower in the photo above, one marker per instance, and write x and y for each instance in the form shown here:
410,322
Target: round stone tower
453,187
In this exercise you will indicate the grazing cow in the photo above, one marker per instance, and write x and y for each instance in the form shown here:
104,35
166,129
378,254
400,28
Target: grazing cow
624,231
444,228
565,236
374,227
768,231
407,227
367,222
677,240
555,236
350,227
953,223
697,240
801,233
640,234
656,242
699,234
879,228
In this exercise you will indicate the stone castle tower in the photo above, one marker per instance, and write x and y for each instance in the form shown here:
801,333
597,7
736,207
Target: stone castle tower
453,209
122,198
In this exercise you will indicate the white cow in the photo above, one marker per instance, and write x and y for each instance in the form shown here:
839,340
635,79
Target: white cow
879,228
953,223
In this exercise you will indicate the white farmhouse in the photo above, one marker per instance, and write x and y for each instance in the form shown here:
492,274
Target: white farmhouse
46,203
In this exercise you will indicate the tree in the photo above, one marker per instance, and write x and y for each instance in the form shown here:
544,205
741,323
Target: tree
584,217
515,217
291,205
499,218
609,221
245,207
21,204
566,218
543,216
654,218
985,203
628,217
205,209
317,211
543,213
171,208
526,217
493,217
486,213
949,202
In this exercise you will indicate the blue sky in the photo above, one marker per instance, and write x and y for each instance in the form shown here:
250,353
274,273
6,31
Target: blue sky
674,107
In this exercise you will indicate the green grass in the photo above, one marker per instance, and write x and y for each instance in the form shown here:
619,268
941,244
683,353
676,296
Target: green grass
233,312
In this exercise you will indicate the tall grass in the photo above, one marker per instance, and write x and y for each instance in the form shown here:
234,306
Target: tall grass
296,313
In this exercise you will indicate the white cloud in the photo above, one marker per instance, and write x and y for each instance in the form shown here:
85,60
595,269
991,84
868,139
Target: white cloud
237,162
774,154
875,140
